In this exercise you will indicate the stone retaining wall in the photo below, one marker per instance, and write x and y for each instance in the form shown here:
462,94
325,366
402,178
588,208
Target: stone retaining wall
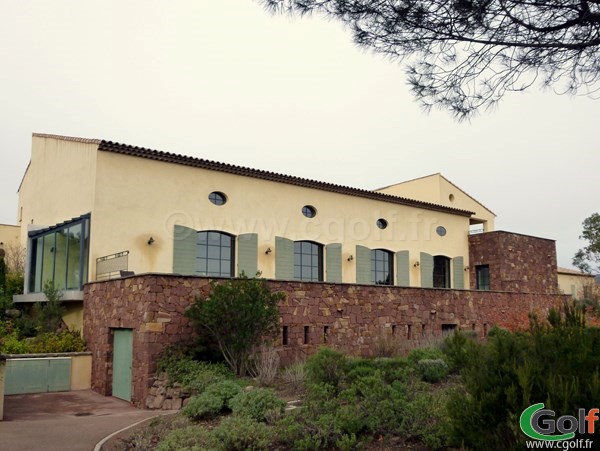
344,316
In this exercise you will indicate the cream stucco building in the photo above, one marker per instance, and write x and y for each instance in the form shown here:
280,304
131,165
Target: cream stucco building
93,209
579,285
438,189
9,236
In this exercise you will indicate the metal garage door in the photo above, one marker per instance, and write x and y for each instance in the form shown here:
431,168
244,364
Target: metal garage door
37,375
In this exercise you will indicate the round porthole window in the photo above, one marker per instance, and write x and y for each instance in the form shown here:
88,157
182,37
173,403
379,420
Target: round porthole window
451,197
217,198
441,231
382,223
309,211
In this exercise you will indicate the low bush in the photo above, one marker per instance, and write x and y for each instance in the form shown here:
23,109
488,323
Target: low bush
204,406
555,362
257,404
425,417
65,341
212,401
46,343
418,354
456,349
10,343
195,438
326,367
240,433
194,375
433,370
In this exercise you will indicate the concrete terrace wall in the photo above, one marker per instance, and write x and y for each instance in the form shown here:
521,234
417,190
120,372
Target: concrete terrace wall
344,316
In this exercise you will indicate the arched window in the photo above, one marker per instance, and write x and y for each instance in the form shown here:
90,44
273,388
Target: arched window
441,271
382,267
215,254
308,261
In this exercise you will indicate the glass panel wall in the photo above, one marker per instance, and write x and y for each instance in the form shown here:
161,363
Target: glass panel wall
59,256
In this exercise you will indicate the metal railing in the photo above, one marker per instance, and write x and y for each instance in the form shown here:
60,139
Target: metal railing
112,266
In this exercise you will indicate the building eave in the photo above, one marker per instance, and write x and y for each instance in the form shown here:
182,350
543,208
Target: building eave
156,155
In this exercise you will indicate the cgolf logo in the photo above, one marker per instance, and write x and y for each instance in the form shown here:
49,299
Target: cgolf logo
539,423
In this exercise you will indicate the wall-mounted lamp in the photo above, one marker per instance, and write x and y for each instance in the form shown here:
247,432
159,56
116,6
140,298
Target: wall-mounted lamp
467,268
417,264
268,251
150,241
350,258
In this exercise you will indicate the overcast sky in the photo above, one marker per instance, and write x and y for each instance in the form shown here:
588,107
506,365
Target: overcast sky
225,80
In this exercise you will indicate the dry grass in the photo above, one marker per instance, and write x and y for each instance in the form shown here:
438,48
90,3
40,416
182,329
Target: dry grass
265,364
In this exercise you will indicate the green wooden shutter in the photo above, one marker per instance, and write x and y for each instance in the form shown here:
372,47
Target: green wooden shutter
403,268
333,260
184,250
363,265
248,254
458,268
284,258
426,270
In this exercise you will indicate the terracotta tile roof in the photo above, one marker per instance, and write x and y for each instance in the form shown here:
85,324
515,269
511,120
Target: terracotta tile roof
140,152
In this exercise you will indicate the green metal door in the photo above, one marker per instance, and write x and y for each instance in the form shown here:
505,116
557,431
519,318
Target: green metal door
38,375
122,361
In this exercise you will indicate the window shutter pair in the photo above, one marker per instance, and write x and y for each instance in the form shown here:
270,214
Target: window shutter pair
184,252
284,260
363,266
426,265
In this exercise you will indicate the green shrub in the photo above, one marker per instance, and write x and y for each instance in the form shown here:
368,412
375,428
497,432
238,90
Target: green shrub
326,367
391,369
381,404
433,370
193,375
203,406
256,404
347,442
65,341
10,343
456,349
212,401
425,418
240,433
226,390
192,438
239,314
418,354
556,363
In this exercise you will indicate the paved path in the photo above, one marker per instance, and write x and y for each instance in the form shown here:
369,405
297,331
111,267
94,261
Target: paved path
67,421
